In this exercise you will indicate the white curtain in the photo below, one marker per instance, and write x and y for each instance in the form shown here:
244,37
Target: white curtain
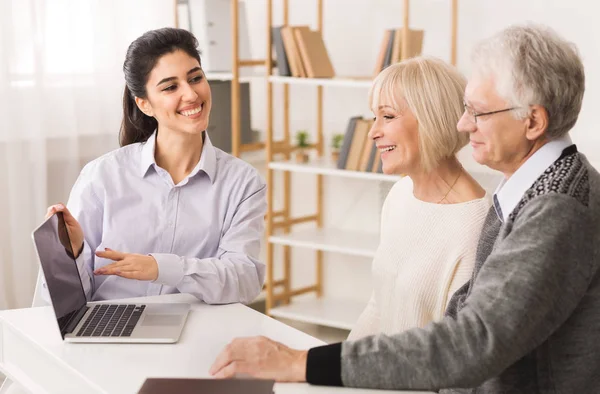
61,86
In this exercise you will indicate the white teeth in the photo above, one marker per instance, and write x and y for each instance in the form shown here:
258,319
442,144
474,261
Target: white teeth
191,112
389,148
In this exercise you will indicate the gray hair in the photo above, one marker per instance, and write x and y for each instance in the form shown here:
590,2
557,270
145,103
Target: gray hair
533,65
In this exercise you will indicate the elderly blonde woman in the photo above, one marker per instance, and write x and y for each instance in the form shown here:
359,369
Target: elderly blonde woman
431,219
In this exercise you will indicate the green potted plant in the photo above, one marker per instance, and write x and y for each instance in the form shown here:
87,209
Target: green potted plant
336,146
302,146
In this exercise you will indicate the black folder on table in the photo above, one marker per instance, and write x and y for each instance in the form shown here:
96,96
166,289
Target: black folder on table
206,386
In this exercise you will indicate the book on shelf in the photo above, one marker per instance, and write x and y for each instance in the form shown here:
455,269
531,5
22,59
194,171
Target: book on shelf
358,141
347,142
313,53
291,51
372,151
390,50
304,50
282,61
367,149
358,152
415,43
376,165
384,57
397,46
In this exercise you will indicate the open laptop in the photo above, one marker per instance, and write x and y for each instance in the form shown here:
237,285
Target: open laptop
80,321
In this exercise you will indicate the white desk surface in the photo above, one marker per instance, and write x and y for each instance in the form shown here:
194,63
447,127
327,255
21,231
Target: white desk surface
33,353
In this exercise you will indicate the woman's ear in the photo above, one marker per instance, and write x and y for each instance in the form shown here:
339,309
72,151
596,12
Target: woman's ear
537,122
144,106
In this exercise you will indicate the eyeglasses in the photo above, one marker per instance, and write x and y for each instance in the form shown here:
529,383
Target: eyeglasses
473,115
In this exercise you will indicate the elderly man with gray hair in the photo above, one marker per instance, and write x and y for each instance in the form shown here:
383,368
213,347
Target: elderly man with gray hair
529,319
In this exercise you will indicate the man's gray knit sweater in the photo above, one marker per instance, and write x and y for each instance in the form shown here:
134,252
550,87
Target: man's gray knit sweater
527,322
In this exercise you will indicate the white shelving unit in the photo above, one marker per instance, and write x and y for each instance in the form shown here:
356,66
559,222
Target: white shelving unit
331,240
361,82
323,311
319,310
324,166
227,76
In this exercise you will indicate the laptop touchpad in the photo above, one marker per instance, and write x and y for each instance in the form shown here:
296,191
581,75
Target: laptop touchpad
153,320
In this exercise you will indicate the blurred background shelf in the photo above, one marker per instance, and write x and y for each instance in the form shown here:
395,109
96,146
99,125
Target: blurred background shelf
331,240
324,166
358,82
324,311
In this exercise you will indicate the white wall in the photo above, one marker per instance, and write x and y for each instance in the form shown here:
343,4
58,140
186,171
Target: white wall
352,31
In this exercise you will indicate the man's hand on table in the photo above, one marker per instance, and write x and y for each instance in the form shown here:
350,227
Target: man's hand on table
261,357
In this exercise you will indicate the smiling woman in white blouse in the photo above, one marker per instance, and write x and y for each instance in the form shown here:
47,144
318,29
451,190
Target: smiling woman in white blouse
432,218
167,212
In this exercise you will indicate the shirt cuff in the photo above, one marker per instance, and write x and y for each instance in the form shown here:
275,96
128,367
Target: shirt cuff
85,252
170,269
324,365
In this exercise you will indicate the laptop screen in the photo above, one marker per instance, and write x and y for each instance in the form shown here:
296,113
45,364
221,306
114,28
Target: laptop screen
60,270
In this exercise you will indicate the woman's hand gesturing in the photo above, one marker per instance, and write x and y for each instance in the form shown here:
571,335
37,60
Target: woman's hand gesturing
128,265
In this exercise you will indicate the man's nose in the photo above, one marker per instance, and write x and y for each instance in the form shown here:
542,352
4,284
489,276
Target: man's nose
465,124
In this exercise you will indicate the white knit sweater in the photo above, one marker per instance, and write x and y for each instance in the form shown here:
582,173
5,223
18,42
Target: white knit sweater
426,252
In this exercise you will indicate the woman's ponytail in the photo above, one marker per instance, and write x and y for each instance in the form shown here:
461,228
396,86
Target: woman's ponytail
136,126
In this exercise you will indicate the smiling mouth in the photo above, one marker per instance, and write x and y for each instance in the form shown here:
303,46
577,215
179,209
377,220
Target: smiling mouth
191,112
387,149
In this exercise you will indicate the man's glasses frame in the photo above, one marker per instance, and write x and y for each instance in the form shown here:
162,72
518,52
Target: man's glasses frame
474,114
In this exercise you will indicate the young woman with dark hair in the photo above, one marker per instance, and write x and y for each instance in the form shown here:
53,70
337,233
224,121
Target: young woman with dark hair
167,212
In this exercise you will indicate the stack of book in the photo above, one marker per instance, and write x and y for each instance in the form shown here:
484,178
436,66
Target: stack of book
358,152
390,50
301,52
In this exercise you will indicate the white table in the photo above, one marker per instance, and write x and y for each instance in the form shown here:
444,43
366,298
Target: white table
33,354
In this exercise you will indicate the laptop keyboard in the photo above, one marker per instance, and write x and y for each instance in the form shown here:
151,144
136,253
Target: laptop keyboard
111,320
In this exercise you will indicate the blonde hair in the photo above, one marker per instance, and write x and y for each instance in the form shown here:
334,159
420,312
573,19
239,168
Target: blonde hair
433,91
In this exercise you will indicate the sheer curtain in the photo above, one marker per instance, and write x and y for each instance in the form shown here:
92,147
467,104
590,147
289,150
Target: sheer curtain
60,107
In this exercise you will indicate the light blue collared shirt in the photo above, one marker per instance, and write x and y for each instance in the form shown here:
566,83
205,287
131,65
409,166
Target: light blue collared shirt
511,190
204,232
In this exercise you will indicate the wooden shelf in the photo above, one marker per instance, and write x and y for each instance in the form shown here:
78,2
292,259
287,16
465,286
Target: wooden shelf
353,243
323,311
359,82
328,167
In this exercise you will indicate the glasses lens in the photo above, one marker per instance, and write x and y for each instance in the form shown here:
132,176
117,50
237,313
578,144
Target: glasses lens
470,114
